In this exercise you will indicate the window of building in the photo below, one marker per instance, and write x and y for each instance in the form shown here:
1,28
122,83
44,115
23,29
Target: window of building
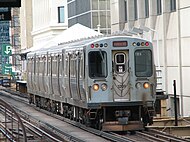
159,7
16,40
15,21
135,10
146,8
61,14
173,5
125,8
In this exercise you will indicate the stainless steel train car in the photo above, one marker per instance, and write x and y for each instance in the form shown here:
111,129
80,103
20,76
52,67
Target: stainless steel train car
105,82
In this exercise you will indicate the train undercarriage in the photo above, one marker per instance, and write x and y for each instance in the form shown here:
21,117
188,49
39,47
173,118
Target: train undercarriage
106,118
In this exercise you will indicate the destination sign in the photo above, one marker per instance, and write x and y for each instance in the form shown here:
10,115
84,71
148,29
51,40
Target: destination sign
120,43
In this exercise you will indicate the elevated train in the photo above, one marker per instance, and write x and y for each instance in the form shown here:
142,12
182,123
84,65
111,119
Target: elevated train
105,82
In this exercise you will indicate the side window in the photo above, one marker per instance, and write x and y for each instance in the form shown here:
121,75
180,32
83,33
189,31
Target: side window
37,65
81,60
41,65
67,65
29,65
59,64
73,65
62,63
34,64
48,65
54,66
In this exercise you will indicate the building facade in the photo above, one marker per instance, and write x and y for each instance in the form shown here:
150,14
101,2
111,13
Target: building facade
94,14
165,23
49,19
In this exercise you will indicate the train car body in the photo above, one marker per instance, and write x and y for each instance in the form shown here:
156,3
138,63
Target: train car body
105,82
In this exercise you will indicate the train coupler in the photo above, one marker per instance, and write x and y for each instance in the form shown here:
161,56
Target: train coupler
122,116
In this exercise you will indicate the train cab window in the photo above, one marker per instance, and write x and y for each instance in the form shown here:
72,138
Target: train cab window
97,64
120,62
143,63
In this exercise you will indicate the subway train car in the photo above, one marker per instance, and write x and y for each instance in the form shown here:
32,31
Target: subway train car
108,83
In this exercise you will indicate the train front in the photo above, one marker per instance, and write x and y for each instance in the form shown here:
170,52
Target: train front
121,83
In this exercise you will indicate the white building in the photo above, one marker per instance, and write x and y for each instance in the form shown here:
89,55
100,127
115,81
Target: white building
167,19
49,19
41,21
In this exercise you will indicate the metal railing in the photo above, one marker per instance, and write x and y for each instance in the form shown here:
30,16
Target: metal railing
159,87
11,126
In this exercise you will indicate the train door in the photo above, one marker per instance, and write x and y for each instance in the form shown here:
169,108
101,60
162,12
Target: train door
62,74
34,73
50,88
121,87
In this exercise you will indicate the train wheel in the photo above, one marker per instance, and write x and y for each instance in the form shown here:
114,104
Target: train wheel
86,119
99,120
48,104
30,98
81,114
53,107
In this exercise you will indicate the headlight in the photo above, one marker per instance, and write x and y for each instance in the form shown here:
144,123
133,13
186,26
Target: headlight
95,87
146,85
138,85
104,87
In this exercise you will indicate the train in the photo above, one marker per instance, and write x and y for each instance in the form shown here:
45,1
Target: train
104,82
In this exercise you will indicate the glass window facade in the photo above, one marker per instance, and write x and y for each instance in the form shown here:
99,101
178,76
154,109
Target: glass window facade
159,7
84,19
125,8
173,5
146,8
94,14
135,10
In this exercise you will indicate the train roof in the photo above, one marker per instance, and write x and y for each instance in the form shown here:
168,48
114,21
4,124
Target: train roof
77,43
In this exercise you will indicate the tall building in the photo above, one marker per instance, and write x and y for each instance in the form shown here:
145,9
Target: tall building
15,38
10,40
94,14
165,23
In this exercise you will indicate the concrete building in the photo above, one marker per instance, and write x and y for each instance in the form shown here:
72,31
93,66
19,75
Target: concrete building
49,19
165,21
26,24
94,14
40,22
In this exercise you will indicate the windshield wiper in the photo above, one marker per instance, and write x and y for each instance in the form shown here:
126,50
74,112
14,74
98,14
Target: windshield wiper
101,54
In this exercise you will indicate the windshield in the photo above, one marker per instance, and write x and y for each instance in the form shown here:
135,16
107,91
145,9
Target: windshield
97,64
143,63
